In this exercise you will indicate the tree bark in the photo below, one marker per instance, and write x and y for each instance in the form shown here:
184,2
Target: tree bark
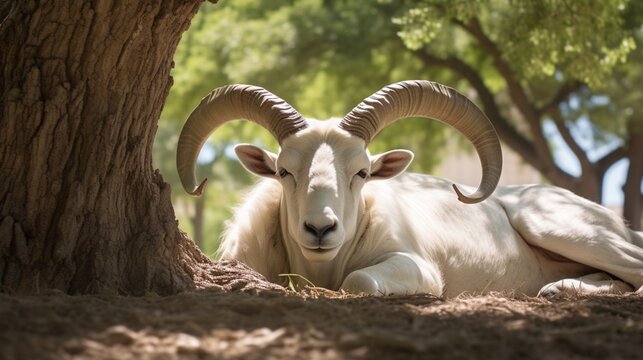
633,199
81,207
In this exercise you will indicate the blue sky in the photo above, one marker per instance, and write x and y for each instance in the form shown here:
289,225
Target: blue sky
565,158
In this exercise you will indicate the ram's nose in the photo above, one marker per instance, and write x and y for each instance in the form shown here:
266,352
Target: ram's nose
319,231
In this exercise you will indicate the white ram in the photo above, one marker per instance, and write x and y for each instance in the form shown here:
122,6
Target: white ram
326,211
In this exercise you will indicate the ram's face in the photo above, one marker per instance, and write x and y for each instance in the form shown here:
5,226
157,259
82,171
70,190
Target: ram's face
322,170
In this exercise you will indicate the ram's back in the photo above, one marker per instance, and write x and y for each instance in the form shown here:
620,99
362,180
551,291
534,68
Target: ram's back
475,246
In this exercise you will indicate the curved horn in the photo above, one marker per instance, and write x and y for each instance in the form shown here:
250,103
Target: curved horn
432,100
227,103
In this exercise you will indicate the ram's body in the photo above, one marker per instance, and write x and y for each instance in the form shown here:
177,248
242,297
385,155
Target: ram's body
512,241
343,218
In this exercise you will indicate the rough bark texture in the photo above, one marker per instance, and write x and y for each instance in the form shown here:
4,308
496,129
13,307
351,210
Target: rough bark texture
81,208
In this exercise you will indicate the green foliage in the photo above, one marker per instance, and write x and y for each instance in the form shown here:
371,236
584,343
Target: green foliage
428,22
582,39
618,108
323,57
545,44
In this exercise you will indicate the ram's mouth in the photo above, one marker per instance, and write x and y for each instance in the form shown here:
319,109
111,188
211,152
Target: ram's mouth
321,250
319,254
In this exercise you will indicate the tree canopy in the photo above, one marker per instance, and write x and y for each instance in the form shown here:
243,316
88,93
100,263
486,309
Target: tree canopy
524,62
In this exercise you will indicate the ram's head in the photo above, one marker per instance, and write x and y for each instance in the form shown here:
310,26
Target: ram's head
323,165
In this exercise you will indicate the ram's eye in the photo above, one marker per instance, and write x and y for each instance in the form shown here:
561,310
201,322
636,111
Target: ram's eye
362,173
283,173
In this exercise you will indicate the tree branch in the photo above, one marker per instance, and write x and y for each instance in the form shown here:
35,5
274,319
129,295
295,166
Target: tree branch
585,163
519,98
516,91
604,163
506,131
633,204
563,93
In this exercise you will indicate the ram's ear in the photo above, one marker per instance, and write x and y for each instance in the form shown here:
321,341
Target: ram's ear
256,160
390,164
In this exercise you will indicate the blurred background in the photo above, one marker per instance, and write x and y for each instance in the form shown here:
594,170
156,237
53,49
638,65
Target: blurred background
560,80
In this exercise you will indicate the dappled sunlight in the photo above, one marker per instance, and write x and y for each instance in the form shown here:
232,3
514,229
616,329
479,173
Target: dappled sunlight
93,98
309,324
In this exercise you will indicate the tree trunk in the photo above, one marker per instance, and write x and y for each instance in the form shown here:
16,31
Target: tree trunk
589,185
197,220
633,199
81,208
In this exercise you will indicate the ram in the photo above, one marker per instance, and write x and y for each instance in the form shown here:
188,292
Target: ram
345,219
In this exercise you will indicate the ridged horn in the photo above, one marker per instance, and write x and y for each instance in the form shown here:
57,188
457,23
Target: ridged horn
228,103
420,98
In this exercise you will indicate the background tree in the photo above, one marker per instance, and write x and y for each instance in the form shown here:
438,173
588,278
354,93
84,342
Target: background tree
531,65
204,214
535,59
621,112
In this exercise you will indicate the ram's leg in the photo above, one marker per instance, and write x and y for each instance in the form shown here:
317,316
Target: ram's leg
589,284
399,274
566,224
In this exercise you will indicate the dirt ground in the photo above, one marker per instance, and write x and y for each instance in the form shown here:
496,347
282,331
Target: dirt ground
315,324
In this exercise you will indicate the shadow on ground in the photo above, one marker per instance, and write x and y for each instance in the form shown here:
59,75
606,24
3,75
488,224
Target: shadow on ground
317,323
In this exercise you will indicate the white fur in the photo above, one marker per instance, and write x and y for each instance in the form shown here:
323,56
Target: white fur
410,234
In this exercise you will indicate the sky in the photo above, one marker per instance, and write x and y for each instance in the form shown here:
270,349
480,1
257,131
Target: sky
565,158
